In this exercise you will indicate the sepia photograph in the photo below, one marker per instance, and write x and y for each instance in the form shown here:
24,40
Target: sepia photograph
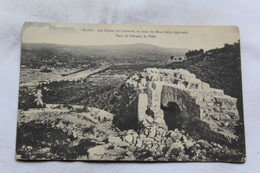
119,92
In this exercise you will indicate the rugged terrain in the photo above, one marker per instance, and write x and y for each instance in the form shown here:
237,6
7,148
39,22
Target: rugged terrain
59,133
95,117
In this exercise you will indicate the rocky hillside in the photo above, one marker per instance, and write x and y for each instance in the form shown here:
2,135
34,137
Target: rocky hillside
153,143
58,133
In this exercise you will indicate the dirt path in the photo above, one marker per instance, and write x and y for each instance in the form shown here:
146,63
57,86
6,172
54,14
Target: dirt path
83,74
55,77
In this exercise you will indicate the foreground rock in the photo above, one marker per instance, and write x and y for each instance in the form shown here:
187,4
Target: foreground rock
153,143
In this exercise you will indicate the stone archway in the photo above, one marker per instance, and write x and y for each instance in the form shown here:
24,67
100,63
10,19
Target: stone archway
206,109
172,115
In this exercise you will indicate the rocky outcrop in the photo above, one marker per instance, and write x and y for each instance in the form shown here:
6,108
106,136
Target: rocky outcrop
153,143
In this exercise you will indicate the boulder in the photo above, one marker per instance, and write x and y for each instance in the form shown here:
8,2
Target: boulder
129,139
197,146
135,136
106,152
152,132
155,148
146,132
148,145
168,142
175,135
130,132
158,138
96,153
162,159
178,145
183,138
177,130
159,121
226,124
204,144
142,137
29,148
139,143
149,119
219,146
114,140
160,132
188,143
149,159
123,144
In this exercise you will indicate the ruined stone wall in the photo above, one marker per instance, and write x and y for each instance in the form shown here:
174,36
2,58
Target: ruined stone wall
196,99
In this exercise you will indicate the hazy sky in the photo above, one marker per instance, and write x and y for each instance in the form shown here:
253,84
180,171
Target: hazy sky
189,37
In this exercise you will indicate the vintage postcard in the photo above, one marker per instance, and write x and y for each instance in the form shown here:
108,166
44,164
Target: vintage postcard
100,92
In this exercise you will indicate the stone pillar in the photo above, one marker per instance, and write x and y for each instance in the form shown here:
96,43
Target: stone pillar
156,89
142,106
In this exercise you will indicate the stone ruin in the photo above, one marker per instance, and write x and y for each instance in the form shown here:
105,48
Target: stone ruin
179,100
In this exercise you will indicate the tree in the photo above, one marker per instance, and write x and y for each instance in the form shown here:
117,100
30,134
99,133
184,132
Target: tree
194,52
